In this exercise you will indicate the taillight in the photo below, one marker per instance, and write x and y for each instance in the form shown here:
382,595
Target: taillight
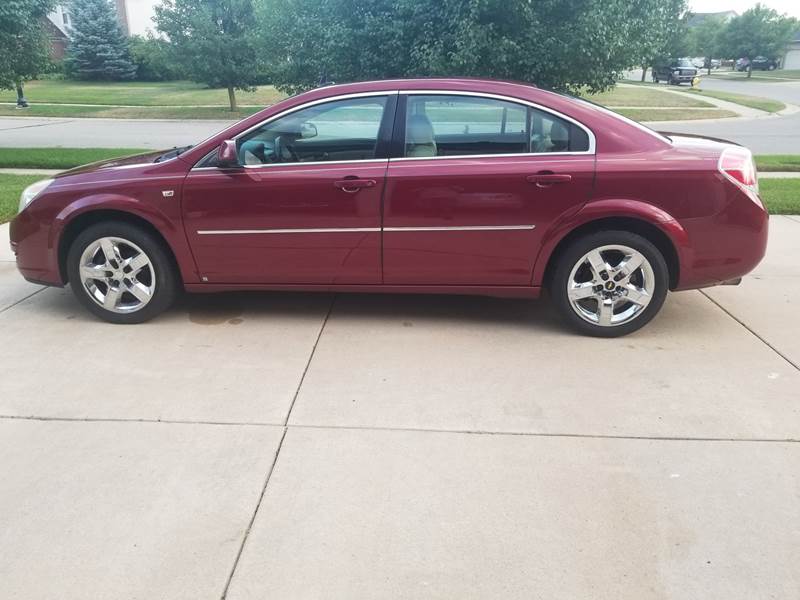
737,164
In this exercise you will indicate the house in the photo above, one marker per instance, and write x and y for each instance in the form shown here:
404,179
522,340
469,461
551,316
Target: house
791,60
59,26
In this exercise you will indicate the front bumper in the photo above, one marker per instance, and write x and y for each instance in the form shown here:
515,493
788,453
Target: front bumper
36,256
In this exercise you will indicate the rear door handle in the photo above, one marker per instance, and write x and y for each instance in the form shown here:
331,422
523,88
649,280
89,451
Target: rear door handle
351,186
545,179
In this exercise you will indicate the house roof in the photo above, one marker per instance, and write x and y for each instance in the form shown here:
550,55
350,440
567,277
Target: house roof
697,18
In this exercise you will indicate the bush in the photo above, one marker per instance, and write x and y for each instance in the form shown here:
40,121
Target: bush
154,59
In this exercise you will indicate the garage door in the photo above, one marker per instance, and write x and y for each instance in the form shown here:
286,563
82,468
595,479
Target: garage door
792,60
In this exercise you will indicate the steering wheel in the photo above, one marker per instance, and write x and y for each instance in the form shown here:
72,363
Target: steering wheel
282,149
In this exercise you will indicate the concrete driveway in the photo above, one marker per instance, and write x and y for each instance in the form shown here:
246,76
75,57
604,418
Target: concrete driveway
365,446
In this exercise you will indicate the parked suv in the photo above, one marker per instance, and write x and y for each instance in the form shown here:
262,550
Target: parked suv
675,71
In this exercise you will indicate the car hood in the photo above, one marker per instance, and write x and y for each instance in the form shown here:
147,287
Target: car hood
125,161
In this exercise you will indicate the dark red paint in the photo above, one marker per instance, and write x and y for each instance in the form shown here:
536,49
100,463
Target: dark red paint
715,228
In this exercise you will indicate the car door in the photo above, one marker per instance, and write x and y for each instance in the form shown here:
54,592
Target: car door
304,206
480,181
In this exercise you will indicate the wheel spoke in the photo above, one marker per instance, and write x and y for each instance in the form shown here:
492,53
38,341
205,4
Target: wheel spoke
630,266
581,291
112,297
137,263
605,310
93,272
140,291
110,250
636,295
597,263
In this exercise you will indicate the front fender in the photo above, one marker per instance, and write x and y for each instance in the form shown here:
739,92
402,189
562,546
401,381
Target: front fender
106,201
170,228
610,208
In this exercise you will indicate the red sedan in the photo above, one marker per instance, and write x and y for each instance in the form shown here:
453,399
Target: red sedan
423,186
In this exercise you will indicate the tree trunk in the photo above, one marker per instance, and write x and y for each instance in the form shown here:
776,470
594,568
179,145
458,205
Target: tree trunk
709,65
21,102
232,98
644,72
749,70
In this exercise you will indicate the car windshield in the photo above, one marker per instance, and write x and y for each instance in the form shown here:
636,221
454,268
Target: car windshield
685,62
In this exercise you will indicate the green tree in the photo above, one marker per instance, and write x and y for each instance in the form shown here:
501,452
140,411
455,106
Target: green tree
98,49
561,44
154,58
213,41
705,39
24,46
760,31
663,34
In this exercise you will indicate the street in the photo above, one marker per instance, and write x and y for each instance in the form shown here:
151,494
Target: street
423,446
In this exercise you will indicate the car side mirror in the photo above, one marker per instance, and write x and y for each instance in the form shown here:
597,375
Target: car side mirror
308,130
227,155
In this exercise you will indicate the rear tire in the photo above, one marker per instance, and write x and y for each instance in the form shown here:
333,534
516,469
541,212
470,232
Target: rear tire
609,283
121,273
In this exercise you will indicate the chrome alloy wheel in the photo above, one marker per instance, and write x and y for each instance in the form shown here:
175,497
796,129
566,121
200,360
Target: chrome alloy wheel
611,285
117,275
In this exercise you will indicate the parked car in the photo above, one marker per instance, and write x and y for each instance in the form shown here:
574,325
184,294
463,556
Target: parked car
762,63
675,71
713,63
423,186
759,63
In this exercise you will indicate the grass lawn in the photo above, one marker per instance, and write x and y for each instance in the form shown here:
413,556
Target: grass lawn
137,93
137,112
673,114
643,97
782,196
752,101
778,162
58,158
778,75
11,187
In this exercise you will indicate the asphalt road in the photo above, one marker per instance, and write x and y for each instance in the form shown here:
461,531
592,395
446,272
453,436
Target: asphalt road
30,132
764,135
367,446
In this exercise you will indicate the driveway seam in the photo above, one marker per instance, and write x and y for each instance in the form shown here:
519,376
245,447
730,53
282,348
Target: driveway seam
793,218
748,328
253,517
308,364
598,436
2,310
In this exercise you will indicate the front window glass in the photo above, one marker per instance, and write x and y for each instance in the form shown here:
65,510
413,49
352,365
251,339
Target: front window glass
337,130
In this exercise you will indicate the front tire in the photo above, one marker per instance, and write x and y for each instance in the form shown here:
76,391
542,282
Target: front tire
609,283
121,273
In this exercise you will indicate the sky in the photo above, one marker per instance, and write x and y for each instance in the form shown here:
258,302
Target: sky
140,12
789,7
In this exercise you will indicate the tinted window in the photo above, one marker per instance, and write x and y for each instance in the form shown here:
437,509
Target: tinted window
338,130
440,125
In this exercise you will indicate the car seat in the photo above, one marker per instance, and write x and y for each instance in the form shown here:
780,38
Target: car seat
420,140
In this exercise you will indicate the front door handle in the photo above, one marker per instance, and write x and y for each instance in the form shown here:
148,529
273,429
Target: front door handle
351,186
548,179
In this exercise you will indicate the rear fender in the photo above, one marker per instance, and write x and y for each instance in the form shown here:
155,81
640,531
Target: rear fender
609,209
